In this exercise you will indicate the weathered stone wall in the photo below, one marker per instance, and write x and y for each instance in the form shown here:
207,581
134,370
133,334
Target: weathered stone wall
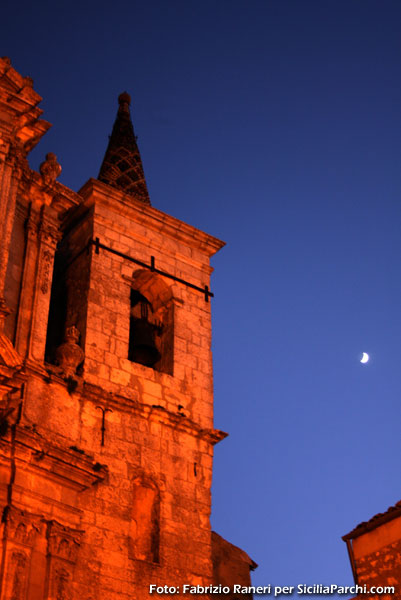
377,556
106,329
381,568
105,464
147,521
142,445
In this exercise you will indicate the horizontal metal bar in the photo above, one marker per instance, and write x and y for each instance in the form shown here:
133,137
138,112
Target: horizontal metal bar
205,290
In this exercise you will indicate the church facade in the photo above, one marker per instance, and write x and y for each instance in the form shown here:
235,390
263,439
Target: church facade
106,390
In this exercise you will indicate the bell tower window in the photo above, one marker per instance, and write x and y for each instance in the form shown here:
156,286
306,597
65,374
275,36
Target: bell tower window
151,330
144,331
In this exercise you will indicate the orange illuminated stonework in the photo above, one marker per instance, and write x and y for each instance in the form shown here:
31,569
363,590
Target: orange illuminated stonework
374,549
106,397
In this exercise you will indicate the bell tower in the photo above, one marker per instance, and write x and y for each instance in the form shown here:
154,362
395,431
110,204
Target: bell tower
106,458
135,283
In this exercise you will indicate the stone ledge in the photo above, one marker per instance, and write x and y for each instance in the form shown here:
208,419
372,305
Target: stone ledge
69,466
153,412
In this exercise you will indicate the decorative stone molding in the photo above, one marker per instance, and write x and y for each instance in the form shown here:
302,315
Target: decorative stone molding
20,107
22,527
70,355
67,466
64,199
60,584
47,261
49,233
48,229
19,563
63,542
16,158
20,534
32,229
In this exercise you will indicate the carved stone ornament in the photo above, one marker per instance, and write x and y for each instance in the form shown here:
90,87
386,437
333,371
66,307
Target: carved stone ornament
22,526
46,265
49,233
16,155
63,542
50,169
69,355
19,562
61,584
32,229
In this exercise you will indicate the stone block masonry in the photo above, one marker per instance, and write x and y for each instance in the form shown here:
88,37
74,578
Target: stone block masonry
106,383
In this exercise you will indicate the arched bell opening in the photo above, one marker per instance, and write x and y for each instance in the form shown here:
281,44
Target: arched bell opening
143,331
151,322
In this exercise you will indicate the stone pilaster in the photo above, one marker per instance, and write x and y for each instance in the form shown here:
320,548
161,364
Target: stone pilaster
42,237
11,167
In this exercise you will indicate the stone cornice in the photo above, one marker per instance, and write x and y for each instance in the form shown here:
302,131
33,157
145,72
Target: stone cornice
154,412
19,102
67,466
94,191
55,195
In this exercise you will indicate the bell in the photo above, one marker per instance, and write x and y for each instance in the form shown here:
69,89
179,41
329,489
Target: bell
143,348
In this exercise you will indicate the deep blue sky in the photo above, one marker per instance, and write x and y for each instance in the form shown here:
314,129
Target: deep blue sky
274,125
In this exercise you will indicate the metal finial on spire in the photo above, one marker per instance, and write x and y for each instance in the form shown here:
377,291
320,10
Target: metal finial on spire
122,165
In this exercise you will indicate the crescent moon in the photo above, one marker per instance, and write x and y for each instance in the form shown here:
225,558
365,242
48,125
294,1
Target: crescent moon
365,357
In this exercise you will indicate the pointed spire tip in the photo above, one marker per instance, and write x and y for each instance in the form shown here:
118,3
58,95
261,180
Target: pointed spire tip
124,98
122,166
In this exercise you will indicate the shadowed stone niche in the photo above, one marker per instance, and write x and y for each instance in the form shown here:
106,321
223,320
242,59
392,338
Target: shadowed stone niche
144,531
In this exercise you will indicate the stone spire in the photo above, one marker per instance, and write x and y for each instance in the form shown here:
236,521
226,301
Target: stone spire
122,164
